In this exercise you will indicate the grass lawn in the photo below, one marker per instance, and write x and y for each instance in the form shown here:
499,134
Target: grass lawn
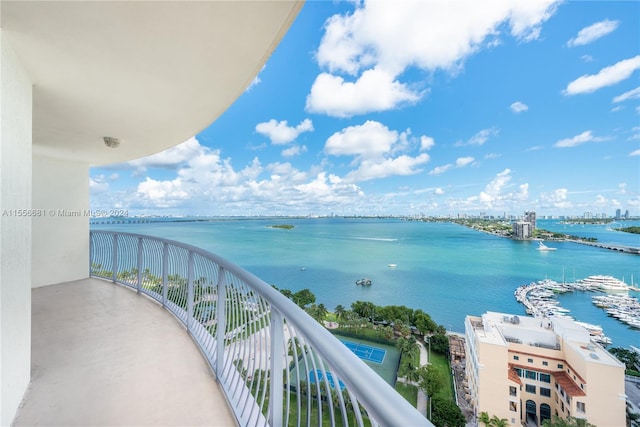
441,362
409,392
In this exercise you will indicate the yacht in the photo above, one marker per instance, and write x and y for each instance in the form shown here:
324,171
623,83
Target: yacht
605,283
545,248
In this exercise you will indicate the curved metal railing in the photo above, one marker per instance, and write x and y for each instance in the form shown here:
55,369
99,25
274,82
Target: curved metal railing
248,331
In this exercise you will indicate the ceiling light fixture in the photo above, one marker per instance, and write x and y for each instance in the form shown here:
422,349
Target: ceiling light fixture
111,142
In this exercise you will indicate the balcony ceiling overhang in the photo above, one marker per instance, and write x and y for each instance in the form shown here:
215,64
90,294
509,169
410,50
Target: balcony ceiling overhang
150,73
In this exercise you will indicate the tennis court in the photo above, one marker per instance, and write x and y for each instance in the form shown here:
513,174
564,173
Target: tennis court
318,375
366,352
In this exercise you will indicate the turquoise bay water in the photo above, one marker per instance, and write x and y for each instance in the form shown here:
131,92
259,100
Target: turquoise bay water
447,270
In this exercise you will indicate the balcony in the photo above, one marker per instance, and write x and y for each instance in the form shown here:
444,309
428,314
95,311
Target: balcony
104,355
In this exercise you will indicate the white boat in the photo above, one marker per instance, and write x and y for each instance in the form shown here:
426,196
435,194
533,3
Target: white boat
545,248
393,265
605,283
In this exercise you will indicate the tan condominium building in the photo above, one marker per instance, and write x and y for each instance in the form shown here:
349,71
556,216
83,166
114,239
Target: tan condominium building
527,369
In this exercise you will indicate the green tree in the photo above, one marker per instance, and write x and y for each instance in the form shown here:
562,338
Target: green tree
425,323
499,422
484,418
566,422
303,298
340,312
431,381
446,413
439,343
628,357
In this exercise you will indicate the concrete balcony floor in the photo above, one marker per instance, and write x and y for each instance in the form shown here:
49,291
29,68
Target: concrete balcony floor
103,355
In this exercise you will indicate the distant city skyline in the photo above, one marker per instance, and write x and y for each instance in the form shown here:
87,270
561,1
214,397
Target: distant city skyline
417,108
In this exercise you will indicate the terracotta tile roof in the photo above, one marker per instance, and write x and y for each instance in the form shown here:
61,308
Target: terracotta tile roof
567,384
513,375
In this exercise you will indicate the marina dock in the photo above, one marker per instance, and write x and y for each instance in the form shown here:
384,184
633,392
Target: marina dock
539,300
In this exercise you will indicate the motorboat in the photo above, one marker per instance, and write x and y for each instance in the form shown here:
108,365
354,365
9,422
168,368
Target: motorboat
544,248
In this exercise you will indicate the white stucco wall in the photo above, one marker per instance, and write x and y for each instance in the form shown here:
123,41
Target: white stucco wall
61,234
15,231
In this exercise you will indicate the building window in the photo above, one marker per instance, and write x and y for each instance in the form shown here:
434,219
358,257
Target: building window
519,372
530,374
530,389
580,407
545,378
530,360
560,366
546,392
516,357
513,406
545,363
513,391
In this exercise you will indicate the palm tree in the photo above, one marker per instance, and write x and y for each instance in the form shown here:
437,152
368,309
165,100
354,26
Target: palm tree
499,422
484,418
340,311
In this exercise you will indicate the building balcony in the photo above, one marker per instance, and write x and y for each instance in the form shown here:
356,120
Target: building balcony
102,355
168,334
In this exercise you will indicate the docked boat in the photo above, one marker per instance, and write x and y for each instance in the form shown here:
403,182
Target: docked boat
544,248
605,283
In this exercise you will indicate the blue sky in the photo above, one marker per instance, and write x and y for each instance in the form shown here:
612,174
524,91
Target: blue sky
430,107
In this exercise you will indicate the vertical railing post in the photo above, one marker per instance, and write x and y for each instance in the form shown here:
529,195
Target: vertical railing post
190,295
114,259
221,320
91,254
277,356
139,264
165,272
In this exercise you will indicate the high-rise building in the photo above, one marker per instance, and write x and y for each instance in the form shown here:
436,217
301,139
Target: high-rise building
618,213
522,229
530,217
527,369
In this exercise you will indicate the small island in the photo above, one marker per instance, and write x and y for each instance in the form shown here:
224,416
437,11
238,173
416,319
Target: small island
633,229
283,226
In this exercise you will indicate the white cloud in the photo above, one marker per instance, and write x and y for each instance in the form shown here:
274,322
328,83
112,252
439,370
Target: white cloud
480,137
374,90
375,169
518,107
373,147
557,199
438,191
171,158
496,194
606,77
294,151
586,136
459,163
426,143
440,169
256,80
371,139
464,161
634,153
279,132
593,32
386,38
491,156
534,148
98,184
587,58
632,94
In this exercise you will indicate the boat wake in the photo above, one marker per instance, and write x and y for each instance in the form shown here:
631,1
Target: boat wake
377,239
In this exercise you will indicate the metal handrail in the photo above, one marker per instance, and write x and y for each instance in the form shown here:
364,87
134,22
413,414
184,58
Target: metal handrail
321,378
